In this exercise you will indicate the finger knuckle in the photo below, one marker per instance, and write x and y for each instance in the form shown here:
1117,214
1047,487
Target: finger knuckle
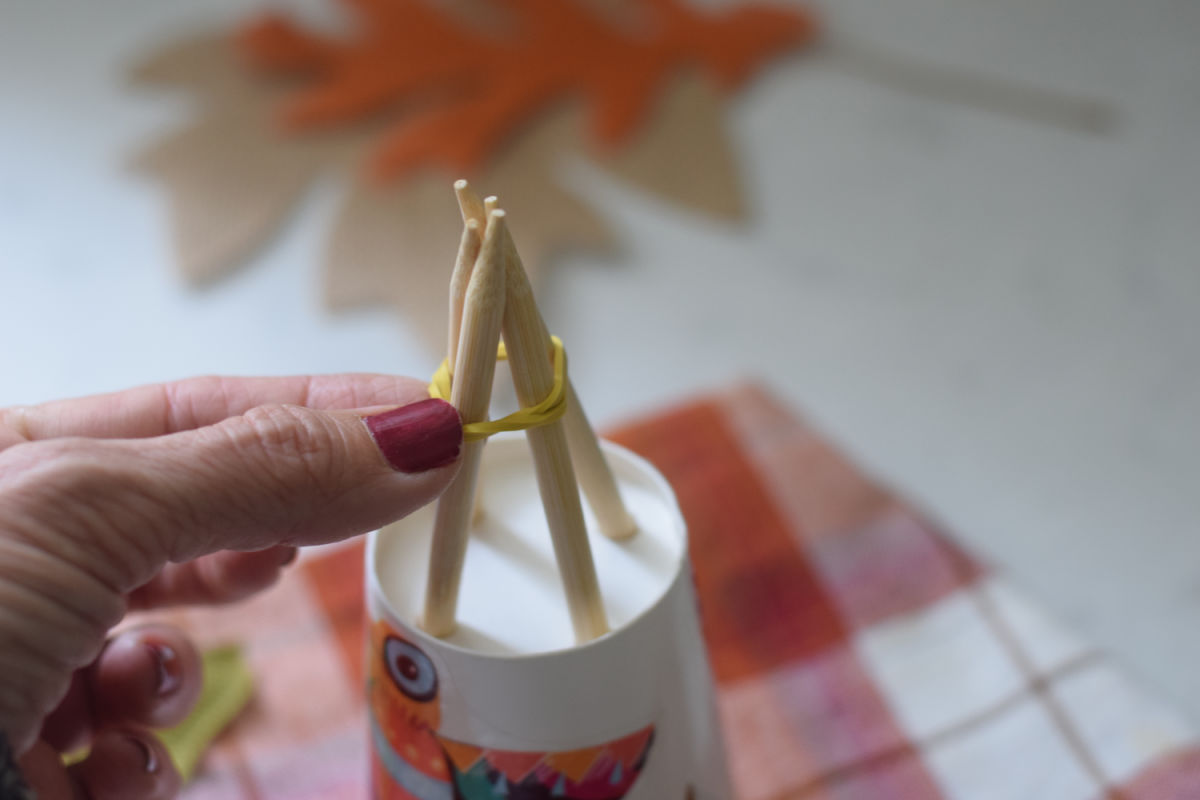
284,431
283,437
68,466
84,502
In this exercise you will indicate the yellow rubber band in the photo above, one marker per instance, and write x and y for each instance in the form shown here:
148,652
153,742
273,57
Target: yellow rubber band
552,407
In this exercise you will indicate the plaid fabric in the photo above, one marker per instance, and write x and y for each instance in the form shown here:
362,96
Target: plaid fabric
858,652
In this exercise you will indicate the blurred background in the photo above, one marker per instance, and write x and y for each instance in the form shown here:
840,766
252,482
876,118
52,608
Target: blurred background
996,313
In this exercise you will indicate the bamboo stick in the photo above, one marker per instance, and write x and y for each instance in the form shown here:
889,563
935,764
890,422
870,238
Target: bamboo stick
483,312
468,251
527,342
595,475
472,210
592,468
978,90
469,204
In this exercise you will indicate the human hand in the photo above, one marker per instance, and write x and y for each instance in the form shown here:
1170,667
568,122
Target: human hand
192,492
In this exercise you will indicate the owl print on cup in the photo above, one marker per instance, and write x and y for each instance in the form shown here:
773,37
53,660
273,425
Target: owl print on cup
412,761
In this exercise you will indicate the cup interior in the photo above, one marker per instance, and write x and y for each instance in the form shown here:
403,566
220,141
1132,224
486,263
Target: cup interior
512,603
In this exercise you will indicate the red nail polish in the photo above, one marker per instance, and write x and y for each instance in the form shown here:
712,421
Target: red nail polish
149,759
419,436
168,668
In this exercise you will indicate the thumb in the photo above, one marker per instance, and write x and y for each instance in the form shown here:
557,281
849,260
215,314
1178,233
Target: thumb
287,474
278,474
84,521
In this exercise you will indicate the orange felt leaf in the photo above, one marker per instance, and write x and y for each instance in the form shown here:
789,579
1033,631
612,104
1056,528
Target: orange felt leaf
460,89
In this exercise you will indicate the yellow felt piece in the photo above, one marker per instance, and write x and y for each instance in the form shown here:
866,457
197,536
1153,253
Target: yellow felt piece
228,685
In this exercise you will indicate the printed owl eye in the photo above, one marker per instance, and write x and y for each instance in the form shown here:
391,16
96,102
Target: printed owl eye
410,669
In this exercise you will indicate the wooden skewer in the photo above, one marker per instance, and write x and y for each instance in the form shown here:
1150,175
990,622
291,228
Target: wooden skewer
483,312
595,475
469,203
468,251
478,211
977,90
527,342
592,468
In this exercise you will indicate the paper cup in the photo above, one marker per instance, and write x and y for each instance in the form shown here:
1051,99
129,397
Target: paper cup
509,706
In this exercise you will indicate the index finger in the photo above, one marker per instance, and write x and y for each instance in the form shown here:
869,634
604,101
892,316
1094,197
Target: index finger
162,408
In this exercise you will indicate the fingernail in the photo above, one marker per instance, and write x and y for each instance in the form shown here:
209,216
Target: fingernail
419,436
149,759
168,668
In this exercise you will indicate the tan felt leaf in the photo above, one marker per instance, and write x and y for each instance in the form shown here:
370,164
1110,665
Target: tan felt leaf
545,217
206,65
225,201
394,243
684,155
231,176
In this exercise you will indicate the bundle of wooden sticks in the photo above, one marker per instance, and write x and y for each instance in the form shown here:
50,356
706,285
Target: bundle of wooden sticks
490,295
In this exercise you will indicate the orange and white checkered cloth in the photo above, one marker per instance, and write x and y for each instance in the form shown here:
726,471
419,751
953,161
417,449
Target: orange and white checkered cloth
859,653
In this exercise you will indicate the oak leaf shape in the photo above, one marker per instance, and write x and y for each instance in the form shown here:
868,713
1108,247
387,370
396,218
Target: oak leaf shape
418,95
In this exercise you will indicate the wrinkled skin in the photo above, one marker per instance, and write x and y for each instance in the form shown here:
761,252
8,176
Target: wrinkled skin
193,492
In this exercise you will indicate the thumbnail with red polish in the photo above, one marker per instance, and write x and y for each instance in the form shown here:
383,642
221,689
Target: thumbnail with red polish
419,436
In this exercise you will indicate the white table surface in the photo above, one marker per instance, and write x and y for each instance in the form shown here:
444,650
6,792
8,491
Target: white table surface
1000,318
